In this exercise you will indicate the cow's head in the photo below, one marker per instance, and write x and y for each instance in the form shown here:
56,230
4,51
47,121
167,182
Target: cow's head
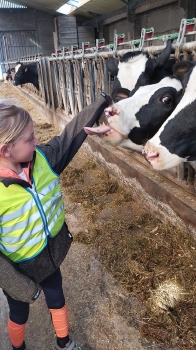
132,121
26,73
175,141
136,68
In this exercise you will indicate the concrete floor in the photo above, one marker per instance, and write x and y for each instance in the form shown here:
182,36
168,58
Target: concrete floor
98,309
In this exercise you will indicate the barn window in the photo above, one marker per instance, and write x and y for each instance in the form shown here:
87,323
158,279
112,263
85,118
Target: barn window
71,6
4,4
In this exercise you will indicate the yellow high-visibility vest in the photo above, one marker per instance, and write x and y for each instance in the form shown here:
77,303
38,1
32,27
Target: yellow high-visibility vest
29,215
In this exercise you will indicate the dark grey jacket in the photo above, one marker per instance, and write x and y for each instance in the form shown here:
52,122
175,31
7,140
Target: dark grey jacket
21,281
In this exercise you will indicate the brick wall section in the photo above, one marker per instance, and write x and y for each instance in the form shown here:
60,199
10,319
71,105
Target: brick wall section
69,32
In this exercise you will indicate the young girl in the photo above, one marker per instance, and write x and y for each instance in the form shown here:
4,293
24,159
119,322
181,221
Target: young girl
34,238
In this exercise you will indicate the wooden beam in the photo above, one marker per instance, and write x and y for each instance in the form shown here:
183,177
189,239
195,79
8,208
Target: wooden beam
150,5
115,18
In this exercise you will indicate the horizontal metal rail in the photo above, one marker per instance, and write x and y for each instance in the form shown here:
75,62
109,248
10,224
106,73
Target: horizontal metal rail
151,50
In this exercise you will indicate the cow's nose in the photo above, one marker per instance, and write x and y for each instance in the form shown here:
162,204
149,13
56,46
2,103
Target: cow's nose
147,149
111,111
148,153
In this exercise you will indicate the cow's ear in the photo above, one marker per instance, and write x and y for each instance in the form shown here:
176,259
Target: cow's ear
120,94
112,65
164,55
181,68
26,69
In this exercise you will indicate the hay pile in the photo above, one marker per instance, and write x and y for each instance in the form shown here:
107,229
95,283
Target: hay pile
155,262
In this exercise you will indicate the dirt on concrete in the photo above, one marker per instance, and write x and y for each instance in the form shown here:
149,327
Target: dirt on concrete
129,279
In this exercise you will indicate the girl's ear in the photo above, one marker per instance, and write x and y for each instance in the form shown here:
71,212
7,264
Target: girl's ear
5,150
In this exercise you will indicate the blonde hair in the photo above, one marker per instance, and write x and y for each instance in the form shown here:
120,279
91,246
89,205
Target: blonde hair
13,120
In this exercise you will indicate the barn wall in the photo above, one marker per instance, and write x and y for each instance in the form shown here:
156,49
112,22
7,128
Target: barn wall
163,15
67,31
86,34
163,19
45,28
70,32
26,19
121,27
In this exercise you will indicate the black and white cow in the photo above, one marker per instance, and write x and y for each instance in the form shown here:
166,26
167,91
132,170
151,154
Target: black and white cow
8,75
176,139
132,121
136,69
26,73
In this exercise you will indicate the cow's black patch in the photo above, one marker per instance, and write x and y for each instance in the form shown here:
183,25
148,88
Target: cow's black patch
152,115
116,84
127,56
178,134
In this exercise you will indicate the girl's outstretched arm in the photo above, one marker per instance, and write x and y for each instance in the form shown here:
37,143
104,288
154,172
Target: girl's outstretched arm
61,149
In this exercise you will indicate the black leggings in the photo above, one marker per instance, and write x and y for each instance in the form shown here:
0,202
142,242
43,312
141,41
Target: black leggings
53,291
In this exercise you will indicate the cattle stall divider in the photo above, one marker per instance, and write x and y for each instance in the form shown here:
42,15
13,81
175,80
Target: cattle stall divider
69,83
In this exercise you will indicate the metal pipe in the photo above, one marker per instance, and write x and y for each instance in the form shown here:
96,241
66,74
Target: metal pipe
154,50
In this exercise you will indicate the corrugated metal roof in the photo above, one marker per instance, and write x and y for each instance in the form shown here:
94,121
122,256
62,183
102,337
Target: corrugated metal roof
98,7
4,4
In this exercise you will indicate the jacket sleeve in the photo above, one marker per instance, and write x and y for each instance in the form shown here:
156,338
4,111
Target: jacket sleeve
14,283
61,149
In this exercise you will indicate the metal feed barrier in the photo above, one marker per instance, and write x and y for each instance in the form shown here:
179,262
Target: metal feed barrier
71,79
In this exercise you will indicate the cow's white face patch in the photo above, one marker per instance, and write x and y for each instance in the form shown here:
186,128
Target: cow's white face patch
117,139
16,70
129,72
125,118
17,67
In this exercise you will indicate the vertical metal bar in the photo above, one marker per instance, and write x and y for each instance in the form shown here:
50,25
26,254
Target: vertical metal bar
81,85
62,81
181,171
44,80
78,86
57,85
50,83
91,82
106,83
191,177
71,88
5,46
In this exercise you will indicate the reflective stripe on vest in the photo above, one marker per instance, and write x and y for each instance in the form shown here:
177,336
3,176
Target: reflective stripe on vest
29,215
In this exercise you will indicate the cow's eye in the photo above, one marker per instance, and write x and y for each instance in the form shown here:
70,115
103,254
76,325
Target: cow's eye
166,100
